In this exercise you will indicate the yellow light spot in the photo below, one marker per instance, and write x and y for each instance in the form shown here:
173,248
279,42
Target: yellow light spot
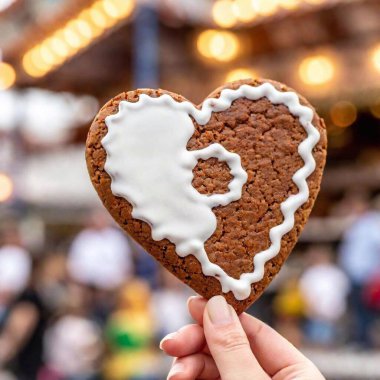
30,68
223,13
289,4
98,18
84,28
315,2
240,73
265,7
218,45
125,7
316,70
376,58
343,114
72,38
58,46
7,76
244,10
38,60
375,108
6,187
110,9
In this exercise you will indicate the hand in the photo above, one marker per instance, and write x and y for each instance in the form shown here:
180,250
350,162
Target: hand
224,346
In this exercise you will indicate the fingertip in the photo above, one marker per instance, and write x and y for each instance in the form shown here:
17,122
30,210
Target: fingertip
193,299
186,341
196,306
168,341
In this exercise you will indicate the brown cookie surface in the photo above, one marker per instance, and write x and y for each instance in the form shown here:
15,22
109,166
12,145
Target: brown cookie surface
266,136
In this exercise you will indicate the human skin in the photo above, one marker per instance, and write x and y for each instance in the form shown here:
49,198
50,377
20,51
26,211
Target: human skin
222,345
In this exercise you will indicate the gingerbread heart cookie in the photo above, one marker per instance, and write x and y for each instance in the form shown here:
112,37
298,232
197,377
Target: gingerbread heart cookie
218,193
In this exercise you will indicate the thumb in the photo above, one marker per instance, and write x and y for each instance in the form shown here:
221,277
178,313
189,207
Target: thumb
228,343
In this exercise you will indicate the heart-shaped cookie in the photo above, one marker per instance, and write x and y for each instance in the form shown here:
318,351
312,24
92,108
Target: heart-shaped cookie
218,193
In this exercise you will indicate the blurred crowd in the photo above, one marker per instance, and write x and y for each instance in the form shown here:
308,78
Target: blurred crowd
98,309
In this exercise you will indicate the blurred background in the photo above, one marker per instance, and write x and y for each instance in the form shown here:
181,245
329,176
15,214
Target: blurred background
78,300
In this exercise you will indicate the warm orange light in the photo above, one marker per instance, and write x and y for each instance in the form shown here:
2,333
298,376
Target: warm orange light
58,45
218,45
31,68
375,108
125,7
265,7
376,58
343,114
6,187
289,4
315,2
316,70
7,75
244,10
240,73
75,35
223,13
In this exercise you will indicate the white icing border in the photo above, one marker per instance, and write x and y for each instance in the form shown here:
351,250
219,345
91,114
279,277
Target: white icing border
242,287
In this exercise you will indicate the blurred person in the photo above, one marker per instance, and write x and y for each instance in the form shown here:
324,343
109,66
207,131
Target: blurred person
130,335
146,266
171,296
325,288
289,309
53,280
100,260
73,348
359,256
100,256
25,318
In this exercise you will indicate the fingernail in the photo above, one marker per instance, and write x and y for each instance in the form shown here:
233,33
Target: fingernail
193,298
170,336
175,370
219,311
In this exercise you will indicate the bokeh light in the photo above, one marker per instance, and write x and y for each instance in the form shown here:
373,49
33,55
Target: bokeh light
240,73
343,114
376,58
289,4
6,187
316,70
265,7
375,108
218,45
244,10
76,34
223,13
7,76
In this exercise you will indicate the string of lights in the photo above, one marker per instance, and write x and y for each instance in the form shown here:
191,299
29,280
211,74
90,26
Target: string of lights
75,35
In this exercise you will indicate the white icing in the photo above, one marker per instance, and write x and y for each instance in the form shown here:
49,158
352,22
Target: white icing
150,166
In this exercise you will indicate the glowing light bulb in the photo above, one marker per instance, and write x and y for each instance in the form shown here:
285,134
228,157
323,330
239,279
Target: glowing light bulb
316,70
218,45
343,114
240,73
72,38
59,46
30,68
375,108
7,76
376,58
6,187
244,10
223,13
289,4
265,7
